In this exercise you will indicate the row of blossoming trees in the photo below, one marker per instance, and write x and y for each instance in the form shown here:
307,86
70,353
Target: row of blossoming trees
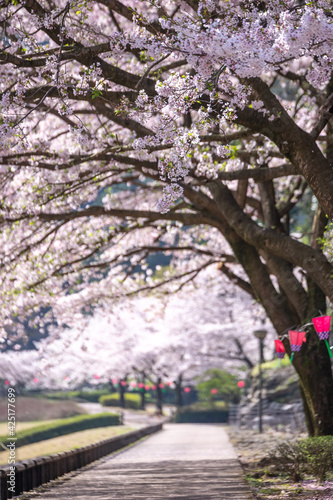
146,340
192,128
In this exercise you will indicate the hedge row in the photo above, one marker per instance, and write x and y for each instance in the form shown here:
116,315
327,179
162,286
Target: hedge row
62,427
91,396
132,401
201,417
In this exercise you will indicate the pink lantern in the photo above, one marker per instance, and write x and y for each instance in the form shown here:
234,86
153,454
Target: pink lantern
280,349
161,386
214,391
141,385
187,389
240,383
36,380
123,383
154,387
296,340
322,327
96,377
115,381
133,384
147,387
7,382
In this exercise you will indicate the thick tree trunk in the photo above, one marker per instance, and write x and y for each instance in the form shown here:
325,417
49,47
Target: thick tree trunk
314,369
122,390
143,399
178,391
159,397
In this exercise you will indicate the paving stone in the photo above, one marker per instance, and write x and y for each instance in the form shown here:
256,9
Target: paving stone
184,461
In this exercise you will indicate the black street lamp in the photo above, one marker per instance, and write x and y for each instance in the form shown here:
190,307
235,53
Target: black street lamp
260,334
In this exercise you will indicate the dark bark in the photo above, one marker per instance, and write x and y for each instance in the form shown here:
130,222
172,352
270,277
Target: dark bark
159,396
122,390
178,391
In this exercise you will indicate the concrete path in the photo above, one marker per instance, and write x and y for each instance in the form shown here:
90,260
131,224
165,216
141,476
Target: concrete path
184,461
132,418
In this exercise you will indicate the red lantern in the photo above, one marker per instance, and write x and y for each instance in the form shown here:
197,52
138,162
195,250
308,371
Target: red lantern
7,382
36,380
96,377
154,387
141,385
296,340
322,327
187,389
161,386
123,383
280,350
147,387
214,391
241,383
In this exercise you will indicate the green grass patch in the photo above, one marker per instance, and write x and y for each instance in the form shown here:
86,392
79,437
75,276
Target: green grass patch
65,443
63,426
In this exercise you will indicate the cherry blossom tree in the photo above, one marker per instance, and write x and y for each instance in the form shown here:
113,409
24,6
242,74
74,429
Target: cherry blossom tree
193,129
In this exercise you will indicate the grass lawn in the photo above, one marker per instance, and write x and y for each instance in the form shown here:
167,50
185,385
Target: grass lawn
64,443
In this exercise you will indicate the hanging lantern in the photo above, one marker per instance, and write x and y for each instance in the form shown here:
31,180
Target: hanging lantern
187,389
322,327
96,377
296,340
133,384
280,349
214,391
36,380
161,386
240,383
7,382
147,387
154,387
141,385
114,381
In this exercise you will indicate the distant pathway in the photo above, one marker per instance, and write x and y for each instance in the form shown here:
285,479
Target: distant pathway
132,418
184,461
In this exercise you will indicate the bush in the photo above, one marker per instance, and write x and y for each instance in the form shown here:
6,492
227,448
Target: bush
132,401
319,456
62,427
225,383
307,456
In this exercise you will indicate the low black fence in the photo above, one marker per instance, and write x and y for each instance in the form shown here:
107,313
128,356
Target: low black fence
29,474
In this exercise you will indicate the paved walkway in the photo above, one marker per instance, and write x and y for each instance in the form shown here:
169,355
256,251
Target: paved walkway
184,461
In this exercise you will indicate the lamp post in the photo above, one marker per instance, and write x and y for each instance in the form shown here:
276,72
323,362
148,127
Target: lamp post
260,334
